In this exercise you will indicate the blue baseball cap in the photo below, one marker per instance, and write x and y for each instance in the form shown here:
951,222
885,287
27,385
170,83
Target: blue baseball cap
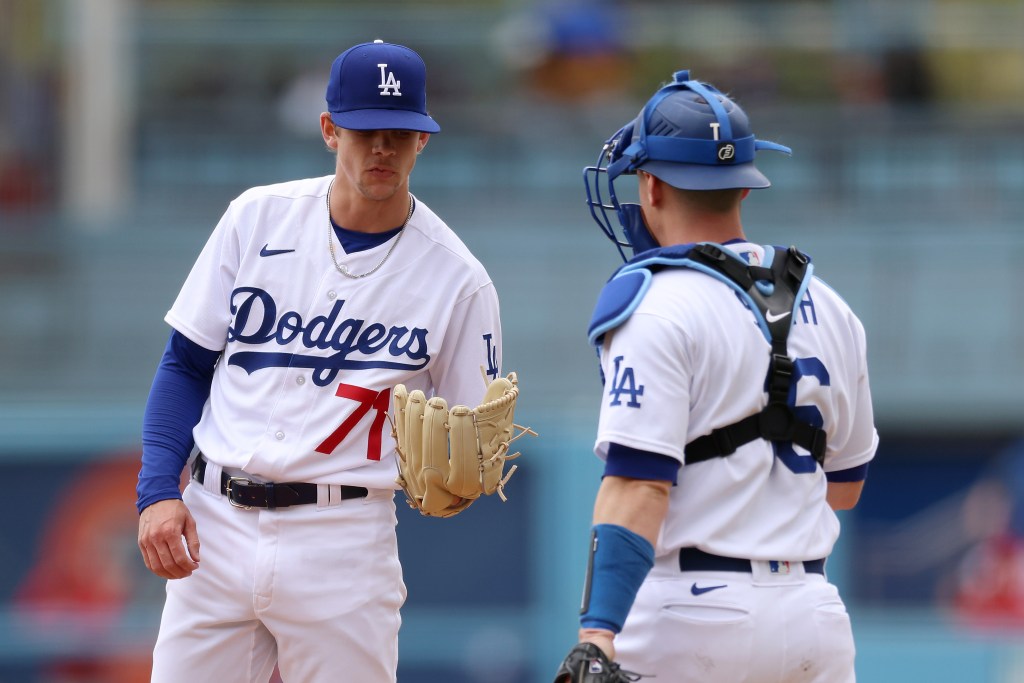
692,136
379,86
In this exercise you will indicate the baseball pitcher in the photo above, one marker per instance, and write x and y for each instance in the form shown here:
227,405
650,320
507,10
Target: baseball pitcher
314,308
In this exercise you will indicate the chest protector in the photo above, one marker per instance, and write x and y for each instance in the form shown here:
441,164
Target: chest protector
772,293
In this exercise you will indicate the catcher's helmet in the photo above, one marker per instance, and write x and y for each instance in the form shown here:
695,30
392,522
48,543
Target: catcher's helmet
690,136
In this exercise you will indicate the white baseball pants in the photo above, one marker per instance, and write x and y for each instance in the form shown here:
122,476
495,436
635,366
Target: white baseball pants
314,588
736,627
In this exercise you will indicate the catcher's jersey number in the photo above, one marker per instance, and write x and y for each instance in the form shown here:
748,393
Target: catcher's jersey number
803,368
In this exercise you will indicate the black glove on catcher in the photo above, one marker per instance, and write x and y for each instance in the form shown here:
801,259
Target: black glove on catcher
587,663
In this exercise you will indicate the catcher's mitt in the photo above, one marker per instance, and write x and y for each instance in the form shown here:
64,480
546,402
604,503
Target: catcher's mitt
459,452
587,663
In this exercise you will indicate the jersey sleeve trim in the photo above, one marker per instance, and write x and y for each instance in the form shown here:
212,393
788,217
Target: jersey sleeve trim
634,463
854,474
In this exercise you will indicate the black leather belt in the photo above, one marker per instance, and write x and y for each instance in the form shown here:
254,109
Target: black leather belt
692,559
246,494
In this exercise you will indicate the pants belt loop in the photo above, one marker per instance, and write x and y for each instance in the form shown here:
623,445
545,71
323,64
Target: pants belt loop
211,480
270,495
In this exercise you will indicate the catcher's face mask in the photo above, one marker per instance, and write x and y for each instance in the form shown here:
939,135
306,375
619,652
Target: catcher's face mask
688,135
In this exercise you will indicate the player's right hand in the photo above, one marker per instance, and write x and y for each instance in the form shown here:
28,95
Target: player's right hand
603,638
587,662
162,526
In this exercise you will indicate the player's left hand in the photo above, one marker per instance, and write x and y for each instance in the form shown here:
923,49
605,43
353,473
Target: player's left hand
449,458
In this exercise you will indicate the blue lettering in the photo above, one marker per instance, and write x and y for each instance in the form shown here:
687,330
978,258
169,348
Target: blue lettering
418,337
492,357
625,384
807,305
288,327
316,333
243,311
255,308
346,333
371,335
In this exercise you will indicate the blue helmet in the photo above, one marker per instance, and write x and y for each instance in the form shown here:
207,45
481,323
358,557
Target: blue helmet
688,135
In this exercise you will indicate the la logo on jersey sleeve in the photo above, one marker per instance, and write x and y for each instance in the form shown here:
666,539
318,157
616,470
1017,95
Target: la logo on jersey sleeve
491,352
624,389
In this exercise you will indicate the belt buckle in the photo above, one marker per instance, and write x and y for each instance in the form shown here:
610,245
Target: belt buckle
227,491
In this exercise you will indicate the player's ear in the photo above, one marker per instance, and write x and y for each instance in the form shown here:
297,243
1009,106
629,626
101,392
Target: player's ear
651,188
327,129
422,142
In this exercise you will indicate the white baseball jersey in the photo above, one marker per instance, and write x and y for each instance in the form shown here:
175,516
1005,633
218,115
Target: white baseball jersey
310,357
690,359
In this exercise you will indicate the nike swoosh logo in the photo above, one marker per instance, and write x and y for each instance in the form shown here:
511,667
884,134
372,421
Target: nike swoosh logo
701,590
273,252
772,317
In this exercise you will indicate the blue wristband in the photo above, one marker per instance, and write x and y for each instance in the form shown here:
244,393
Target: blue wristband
619,562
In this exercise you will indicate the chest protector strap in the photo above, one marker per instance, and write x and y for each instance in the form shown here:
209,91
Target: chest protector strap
774,290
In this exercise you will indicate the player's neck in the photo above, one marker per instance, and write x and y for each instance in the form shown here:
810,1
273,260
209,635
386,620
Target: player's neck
354,210
719,233
718,228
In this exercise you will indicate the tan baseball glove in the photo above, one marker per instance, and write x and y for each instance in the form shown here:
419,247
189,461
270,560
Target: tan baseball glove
448,458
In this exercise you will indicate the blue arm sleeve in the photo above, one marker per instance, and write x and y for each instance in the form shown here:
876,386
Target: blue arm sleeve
176,399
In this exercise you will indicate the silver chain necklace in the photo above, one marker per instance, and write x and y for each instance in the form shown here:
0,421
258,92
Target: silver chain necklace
343,269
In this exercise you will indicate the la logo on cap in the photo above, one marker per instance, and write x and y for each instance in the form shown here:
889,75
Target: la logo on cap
389,85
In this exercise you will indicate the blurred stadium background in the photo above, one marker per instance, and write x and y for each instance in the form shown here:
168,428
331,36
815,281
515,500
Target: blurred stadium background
126,126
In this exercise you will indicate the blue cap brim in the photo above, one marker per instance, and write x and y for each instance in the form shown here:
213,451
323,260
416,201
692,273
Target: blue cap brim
701,177
385,119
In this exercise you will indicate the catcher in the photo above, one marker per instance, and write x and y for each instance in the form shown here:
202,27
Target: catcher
735,420
449,458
